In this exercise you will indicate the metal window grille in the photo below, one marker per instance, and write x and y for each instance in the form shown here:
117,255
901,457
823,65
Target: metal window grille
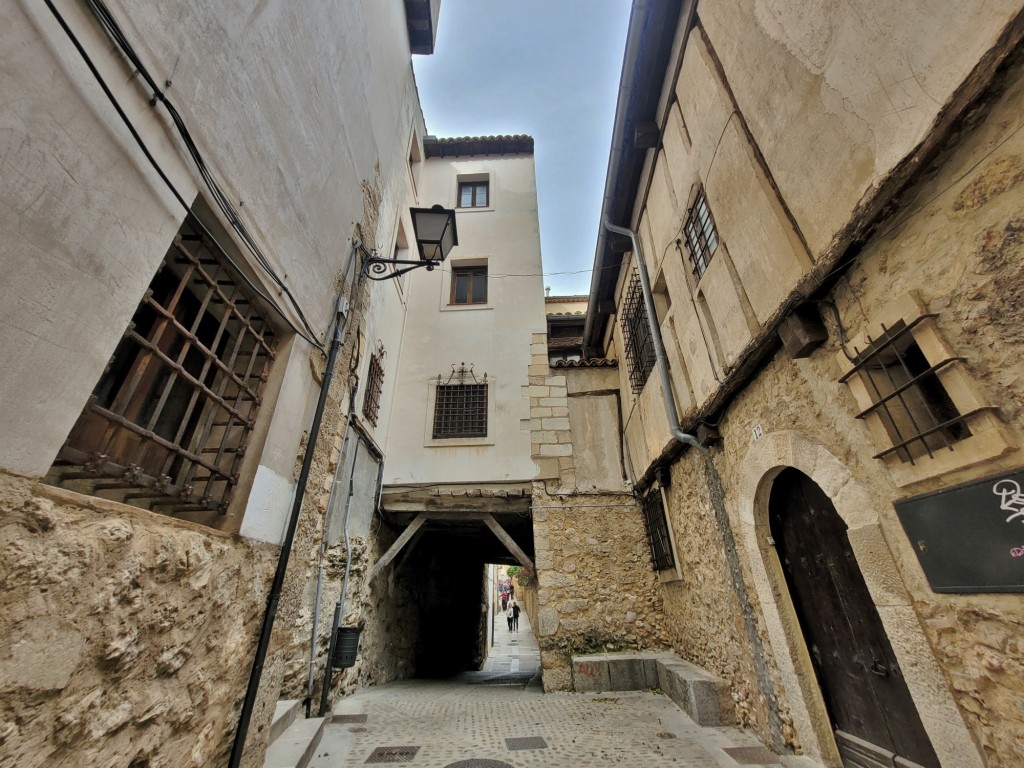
657,531
374,385
168,424
460,410
636,335
907,394
473,194
701,235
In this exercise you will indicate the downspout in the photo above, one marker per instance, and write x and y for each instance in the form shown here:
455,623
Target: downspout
339,468
339,607
661,361
274,598
716,495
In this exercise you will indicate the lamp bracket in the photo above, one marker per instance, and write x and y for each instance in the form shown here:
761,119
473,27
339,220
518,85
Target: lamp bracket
377,268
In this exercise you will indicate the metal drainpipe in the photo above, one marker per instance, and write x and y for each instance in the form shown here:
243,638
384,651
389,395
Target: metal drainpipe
274,597
661,362
338,469
716,495
339,607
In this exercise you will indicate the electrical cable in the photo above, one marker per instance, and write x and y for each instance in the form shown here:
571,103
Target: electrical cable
90,64
113,29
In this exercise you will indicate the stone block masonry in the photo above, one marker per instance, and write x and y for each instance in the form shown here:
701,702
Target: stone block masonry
549,423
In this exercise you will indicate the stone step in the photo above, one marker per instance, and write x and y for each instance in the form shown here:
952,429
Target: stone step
285,713
701,695
297,745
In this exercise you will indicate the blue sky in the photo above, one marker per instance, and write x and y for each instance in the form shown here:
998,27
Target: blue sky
548,68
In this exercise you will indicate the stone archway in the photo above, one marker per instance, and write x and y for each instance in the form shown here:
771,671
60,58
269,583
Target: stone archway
765,459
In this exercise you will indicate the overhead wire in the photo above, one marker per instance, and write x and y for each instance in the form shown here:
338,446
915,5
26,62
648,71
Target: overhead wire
114,31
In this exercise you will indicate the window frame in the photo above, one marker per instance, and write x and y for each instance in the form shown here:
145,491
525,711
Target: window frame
165,358
475,186
637,338
480,394
374,385
471,271
700,234
988,438
658,530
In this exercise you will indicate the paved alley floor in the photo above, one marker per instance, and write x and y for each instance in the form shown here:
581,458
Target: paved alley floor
500,718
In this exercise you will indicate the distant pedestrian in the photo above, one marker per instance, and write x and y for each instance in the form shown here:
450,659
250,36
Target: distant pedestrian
504,602
510,615
515,616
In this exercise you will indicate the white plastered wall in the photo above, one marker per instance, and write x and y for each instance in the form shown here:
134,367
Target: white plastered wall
296,133
494,337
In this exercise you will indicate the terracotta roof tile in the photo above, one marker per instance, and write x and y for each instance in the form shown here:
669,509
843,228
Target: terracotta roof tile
519,144
595,362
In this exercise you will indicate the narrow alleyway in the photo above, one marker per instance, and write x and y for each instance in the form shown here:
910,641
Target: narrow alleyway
500,718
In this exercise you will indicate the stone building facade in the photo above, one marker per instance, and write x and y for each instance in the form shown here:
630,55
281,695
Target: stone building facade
826,214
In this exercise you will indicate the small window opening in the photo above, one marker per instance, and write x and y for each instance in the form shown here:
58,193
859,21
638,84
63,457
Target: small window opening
460,410
469,285
636,335
656,526
473,194
701,234
374,385
907,394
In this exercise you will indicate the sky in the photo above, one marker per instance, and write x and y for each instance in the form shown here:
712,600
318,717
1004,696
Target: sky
547,68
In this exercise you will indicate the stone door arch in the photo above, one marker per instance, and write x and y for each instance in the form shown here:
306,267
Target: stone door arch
765,459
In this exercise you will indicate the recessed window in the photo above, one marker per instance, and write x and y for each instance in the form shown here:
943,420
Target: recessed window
460,410
907,394
656,526
374,385
636,335
469,285
701,235
170,420
474,194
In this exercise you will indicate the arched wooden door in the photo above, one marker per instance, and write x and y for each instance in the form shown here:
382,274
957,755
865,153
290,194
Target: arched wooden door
873,715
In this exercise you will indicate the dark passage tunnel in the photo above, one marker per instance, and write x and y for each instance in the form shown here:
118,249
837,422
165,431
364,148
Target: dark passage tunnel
446,571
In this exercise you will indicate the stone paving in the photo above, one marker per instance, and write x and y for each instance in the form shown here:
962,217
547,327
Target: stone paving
500,718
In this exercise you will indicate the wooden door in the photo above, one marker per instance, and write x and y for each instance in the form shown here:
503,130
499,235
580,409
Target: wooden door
873,715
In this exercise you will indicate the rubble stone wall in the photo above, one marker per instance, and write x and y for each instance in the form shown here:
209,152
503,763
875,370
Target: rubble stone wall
128,636
596,591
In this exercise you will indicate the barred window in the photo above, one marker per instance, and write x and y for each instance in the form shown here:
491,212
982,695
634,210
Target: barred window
657,532
701,235
374,385
460,410
169,422
907,394
636,335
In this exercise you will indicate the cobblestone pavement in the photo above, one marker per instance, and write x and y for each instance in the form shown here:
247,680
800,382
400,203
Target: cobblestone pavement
478,718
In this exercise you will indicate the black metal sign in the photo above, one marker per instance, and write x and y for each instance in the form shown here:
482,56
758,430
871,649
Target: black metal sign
970,538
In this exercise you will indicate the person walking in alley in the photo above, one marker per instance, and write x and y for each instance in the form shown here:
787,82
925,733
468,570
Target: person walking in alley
510,614
515,616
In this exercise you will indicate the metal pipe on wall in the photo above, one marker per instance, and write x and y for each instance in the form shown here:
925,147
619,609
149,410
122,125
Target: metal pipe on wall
661,360
339,607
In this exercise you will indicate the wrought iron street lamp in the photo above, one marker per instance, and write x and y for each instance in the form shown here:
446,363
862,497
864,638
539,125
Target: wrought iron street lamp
435,237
